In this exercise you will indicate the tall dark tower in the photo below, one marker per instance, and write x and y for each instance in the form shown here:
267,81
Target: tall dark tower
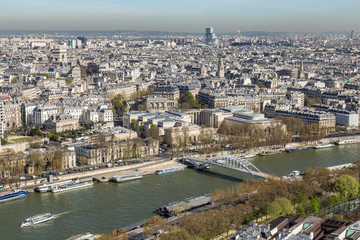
352,34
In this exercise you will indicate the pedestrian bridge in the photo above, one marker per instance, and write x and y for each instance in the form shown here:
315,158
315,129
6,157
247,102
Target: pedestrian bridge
230,162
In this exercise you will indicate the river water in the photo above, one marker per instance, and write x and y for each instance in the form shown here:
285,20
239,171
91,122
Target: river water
106,206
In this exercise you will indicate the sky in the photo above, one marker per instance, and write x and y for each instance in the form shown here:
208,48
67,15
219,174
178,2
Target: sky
181,15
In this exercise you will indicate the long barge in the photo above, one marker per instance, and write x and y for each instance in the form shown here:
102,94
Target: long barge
187,204
71,186
125,178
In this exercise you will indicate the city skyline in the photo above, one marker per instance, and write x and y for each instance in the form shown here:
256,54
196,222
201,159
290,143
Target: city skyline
185,16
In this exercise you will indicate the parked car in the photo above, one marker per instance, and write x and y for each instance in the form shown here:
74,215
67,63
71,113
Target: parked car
43,181
22,178
61,173
69,171
96,167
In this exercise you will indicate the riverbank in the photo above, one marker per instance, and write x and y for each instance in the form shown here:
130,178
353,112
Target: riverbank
139,168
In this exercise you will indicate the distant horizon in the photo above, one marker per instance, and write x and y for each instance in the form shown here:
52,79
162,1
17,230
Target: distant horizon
224,16
177,32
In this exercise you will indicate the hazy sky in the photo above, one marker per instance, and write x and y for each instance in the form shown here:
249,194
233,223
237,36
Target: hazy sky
181,15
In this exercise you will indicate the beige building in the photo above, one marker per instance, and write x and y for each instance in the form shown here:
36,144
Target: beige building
60,123
157,102
107,152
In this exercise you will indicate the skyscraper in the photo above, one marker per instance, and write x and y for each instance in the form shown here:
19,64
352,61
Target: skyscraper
210,37
352,35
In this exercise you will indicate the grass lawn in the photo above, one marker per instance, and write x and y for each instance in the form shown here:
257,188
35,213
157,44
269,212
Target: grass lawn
23,139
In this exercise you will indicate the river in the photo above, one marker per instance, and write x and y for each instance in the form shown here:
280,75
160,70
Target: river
107,206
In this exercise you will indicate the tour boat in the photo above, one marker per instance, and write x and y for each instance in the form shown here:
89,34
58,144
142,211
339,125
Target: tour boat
47,187
320,146
125,178
169,170
37,219
12,195
348,141
296,149
268,153
249,155
84,236
70,186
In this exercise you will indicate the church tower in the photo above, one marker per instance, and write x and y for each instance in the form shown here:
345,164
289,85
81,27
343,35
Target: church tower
221,71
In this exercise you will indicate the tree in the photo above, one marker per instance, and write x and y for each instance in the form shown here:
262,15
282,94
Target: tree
309,101
154,224
188,101
119,105
315,204
280,207
154,132
347,186
82,161
133,124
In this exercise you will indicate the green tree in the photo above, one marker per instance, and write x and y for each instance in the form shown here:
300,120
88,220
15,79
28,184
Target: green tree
347,186
280,207
315,204
154,131
133,124
119,106
334,199
188,101
82,161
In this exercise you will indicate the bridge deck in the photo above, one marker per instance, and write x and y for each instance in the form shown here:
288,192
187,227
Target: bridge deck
228,166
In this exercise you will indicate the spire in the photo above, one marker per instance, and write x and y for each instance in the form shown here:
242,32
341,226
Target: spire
220,73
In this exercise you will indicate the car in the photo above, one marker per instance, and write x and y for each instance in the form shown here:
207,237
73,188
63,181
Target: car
103,178
33,176
43,181
90,168
22,178
60,173
96,167
69,171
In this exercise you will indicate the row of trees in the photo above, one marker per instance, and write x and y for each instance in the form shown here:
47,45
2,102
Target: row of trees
14,164
248,136
306,133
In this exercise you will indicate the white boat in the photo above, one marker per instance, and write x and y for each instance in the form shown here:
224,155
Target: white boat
348,141
249,155
71,186
37,219
320,146
125,178
84,236
293,174
47,187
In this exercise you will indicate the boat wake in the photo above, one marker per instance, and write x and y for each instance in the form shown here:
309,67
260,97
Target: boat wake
60,214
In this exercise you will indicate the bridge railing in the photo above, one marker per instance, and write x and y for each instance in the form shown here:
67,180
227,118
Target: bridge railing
345,206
